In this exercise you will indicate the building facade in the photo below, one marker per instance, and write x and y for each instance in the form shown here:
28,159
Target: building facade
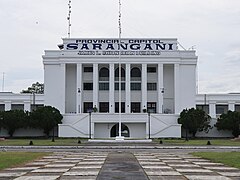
157,82
155,77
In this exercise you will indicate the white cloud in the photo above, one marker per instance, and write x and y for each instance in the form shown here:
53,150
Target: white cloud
29,27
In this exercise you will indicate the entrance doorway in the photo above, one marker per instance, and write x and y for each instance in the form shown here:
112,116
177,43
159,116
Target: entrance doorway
125,130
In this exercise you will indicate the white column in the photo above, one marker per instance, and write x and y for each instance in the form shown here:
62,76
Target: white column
27,106
95,85
8,105
79,88
144,86
63,87
111,88
160,88
212,109
177,105
127,89
231,106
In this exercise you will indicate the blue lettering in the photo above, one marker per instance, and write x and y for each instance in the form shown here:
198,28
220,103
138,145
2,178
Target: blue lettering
135,46
148,47
85,46
72,46
97,46
110,46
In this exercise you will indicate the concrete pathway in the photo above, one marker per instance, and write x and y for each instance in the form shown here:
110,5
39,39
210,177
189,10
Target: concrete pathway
121,165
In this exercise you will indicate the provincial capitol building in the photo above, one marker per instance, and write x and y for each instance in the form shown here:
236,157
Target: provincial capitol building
156,81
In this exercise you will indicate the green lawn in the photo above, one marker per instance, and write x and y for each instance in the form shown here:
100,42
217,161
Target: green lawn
199,142
42,142
74,142
227,158
13,159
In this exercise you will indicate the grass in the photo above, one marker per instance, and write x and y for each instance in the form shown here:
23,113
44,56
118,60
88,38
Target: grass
74,142
227,158
199,142
13,159
42,142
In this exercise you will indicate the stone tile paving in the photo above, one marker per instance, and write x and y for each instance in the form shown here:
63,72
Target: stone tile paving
87,165
184,166
60,165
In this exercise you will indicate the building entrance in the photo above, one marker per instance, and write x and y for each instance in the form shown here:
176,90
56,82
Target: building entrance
125,130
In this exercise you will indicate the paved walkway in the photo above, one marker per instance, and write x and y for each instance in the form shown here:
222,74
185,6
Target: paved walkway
104,165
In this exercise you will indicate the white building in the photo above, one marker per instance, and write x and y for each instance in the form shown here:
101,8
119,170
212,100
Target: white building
156,77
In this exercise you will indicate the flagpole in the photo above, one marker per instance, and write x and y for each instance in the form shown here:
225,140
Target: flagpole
120,137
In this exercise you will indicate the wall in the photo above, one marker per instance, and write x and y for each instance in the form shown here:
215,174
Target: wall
54,86
71,88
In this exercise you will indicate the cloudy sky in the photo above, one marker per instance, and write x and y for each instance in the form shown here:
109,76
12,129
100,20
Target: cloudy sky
28,27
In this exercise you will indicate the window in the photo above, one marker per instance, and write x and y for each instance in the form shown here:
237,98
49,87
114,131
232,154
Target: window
117,107
2,107
117,86
36,106
152,107
117,74
205,108
136,86
237,107
151,86
104,86
104,107
220,109
151,69
104,74
135,107
88,69
87,107
17,107
135,72
87,86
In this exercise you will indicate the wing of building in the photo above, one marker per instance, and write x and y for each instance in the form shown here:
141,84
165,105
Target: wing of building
158,81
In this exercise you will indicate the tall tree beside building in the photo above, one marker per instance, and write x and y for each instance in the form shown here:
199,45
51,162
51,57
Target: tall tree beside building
194,120
37,88
229,121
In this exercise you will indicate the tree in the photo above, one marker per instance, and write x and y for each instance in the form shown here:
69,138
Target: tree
229,121
194,120
1,119
13,120
45,118
37,88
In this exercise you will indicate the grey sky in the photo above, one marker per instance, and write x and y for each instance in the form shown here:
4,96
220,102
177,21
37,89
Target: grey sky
28,27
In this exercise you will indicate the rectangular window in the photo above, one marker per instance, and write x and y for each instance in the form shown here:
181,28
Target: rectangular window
103,86
151,69
152,107
36,106
220,109
117,107
104,107
2,107
87,86
151,86
135,107
237,107
117,86
136,86
88,69
205,108
17,107
87,107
